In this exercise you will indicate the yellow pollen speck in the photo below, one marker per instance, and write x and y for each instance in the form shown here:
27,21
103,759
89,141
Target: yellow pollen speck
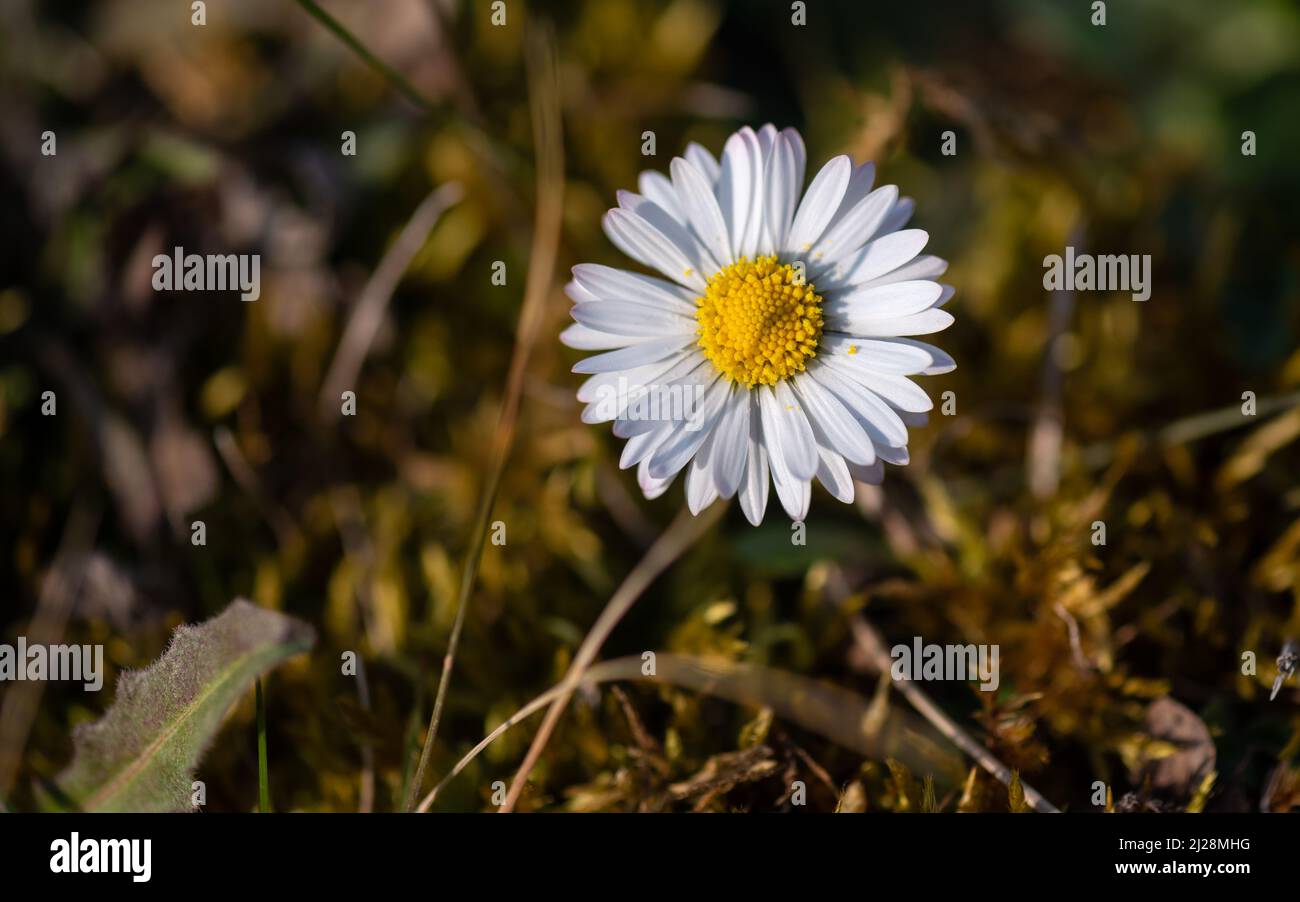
760,321
853,349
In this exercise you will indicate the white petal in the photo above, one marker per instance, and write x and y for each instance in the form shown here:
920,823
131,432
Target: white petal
609,284
639,447
845,309
670,396
834,475
579,294
784,180
819,204
833,425
899,216
786,429
704,161
940,361
731,435
629,428
875,416
700,491
897,456
876,354
639,354
794,494
673,395
611,405
681,446
860,183
877,257
872,475
753,491
767,136
856,227
926,266
740,191
701,208
623,318
581,338
676,230
651,487
924,323
635,236
795,140
899,391
657,188
666,370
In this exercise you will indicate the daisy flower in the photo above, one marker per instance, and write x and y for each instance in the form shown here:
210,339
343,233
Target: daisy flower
778,341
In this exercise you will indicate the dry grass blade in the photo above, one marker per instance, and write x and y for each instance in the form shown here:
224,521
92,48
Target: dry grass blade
59,589
679,536
368,313
350,517
277,517
1196,427
1047,434
366,792
545,102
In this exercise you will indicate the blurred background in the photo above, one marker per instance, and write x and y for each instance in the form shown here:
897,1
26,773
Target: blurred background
1120,663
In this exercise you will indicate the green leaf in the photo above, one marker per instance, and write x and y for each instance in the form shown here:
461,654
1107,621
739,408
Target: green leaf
263,778
141,755
768,550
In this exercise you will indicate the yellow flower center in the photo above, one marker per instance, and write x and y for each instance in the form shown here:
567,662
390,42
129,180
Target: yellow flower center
760,321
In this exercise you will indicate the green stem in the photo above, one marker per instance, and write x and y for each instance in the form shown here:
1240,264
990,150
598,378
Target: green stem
263,778
396,78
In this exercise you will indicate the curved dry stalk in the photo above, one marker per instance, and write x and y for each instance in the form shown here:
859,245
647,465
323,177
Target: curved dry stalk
545,102
678,537
838,714
617,669
368,313
873,644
